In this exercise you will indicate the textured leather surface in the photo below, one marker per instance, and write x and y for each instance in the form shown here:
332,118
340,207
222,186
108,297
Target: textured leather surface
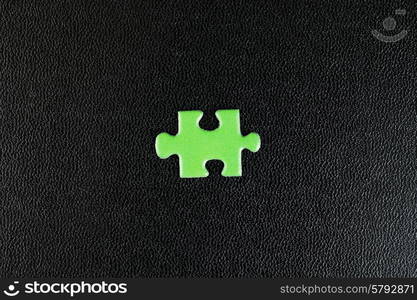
86,87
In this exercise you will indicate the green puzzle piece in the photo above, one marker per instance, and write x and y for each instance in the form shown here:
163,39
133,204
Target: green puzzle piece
195,146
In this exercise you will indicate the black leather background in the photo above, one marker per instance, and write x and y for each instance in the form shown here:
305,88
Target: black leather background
85,87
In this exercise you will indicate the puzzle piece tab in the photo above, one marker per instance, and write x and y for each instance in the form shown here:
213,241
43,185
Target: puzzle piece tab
195,146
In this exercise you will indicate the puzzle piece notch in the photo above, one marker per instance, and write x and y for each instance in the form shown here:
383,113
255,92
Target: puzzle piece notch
195,146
